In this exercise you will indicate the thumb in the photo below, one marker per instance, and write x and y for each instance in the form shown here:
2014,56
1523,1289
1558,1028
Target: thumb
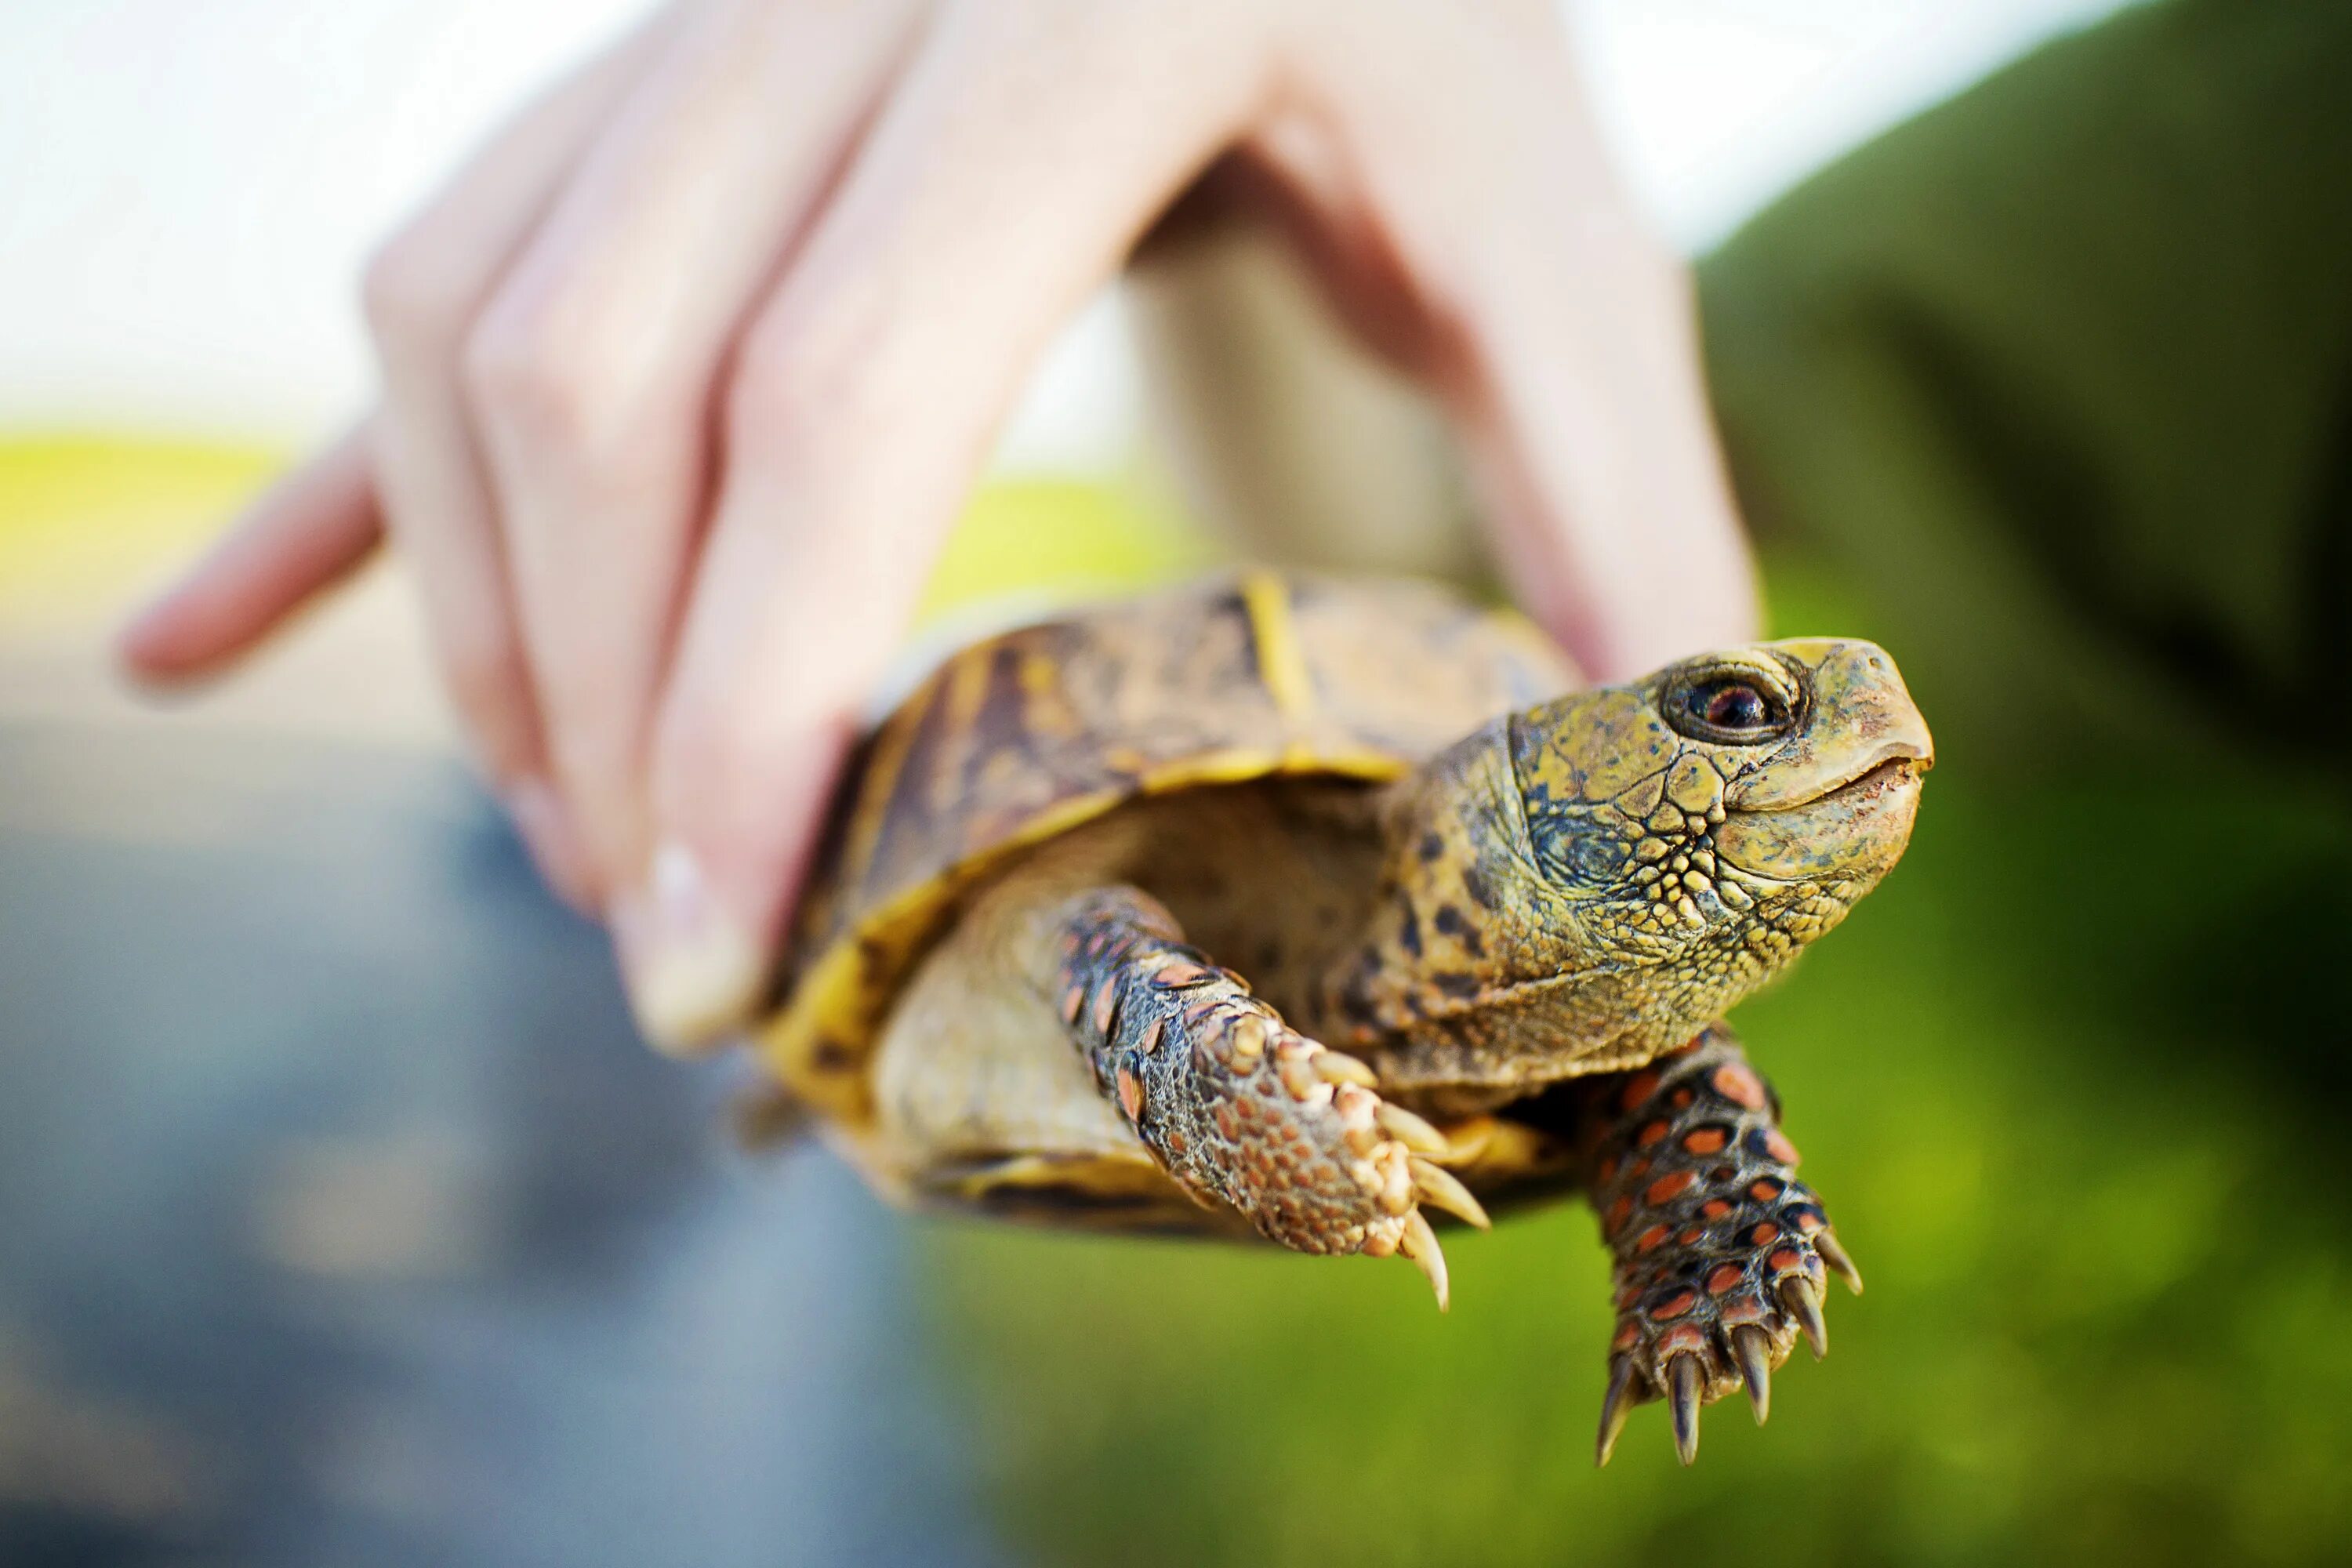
774,667
788,631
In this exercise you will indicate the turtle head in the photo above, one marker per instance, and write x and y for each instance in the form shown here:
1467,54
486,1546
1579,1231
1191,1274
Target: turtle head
1744,798
1635,859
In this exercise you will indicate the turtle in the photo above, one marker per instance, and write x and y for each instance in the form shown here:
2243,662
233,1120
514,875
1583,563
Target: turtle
1306,910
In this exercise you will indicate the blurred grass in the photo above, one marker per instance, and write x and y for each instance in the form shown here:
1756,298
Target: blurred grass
2065,1082
1060,537
84,516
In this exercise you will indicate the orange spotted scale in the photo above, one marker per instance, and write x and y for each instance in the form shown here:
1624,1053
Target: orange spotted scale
1751,1253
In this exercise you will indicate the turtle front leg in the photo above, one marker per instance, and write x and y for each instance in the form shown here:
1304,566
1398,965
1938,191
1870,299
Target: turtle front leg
1720,1249
1238,1106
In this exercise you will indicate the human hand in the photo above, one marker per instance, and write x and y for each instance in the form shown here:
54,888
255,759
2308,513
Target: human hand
686,374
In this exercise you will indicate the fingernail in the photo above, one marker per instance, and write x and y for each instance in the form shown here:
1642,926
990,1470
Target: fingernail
545,823
693,973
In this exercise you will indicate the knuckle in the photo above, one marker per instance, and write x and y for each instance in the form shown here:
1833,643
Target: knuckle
520,373
409,293
808,364
775,396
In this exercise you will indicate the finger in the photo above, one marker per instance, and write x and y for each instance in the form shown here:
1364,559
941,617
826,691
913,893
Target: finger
307,533
863,402
1606,494
1569,353
588,372
422,290
285,548
311,530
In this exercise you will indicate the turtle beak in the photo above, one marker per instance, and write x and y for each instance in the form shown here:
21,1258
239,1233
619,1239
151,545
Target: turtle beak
1860,720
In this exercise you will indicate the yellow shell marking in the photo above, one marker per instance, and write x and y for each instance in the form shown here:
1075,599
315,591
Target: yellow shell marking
1281,663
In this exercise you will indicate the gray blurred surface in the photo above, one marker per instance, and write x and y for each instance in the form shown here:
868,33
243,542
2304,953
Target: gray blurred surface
342,1221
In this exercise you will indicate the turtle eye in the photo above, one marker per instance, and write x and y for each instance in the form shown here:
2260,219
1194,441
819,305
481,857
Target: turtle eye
1734,705
1728,709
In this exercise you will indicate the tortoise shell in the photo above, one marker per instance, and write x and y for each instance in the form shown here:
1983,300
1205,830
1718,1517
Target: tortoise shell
1025,735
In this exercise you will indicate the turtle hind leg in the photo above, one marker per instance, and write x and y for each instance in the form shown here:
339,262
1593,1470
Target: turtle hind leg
1720,1251
1239,1108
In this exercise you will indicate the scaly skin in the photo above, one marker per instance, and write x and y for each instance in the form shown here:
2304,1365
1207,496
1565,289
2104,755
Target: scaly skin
1238,1108
1583,885
1720,1249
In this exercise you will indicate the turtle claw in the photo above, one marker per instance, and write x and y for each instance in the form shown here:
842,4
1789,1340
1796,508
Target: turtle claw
1804,1300
1615,1405
1419,1242
1753,1347
1841,1262
1440,1188
1685,1379
1412,1131
1337,1067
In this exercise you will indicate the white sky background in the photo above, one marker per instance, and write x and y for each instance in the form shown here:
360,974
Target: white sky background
188,189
